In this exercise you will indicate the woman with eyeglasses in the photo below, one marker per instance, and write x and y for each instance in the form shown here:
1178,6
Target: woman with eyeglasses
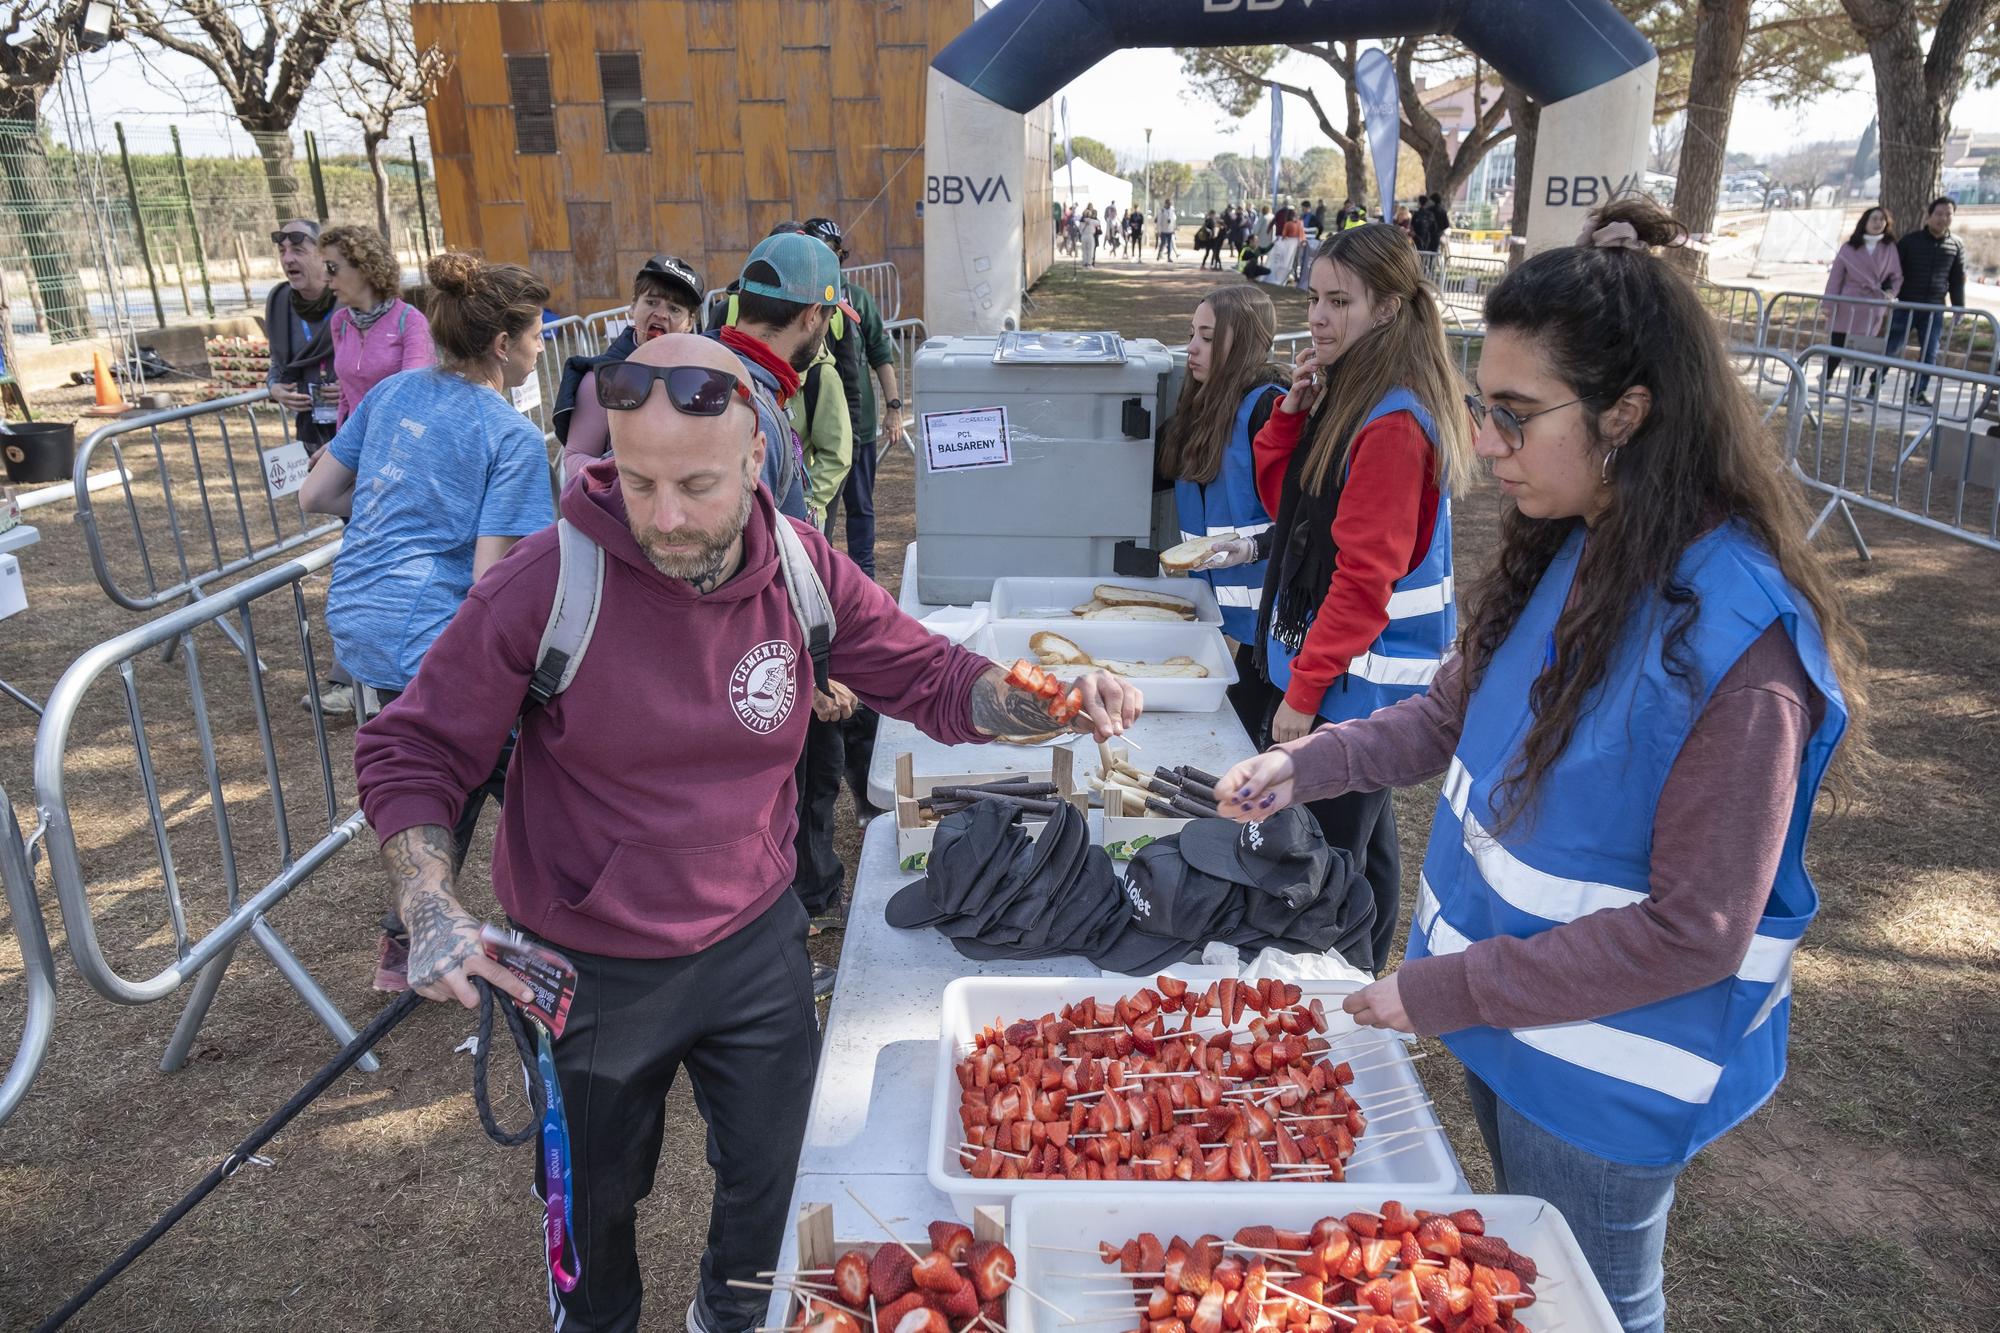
1358,464
438,475
375,332
1652,681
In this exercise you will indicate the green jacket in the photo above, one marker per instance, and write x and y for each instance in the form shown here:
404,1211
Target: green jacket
819,414
875,350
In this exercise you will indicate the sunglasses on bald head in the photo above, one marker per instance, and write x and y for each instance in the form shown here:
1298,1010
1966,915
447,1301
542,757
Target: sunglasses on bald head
696,391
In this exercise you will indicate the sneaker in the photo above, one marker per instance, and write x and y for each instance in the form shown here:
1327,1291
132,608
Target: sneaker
694,1324
833,918
392,965
823,977
1921,398
332,699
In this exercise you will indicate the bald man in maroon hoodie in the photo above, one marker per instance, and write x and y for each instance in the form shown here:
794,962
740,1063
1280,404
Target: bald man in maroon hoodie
647,831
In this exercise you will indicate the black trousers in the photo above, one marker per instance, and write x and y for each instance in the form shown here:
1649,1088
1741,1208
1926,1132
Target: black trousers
819,875
738,1016
857,495
1254,698
857,737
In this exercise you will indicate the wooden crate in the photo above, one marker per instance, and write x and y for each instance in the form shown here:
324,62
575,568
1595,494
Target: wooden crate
819,1247
914,839
1126,818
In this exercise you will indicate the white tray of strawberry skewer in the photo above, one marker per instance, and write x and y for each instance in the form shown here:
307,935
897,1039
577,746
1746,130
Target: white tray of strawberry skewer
1274,1107
1058,1240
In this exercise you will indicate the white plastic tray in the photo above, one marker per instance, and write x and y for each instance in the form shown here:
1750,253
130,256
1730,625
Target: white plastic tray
970,1003
1006,640
1022,598
1573,1304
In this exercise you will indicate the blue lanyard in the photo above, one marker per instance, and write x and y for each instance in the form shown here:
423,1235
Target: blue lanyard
559,1225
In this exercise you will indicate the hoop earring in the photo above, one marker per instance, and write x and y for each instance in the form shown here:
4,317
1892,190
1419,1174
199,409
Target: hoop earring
1604,472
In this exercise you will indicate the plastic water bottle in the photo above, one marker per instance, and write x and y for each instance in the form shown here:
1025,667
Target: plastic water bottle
326,400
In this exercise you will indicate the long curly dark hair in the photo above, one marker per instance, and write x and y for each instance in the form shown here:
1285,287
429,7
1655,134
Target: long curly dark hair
1609,319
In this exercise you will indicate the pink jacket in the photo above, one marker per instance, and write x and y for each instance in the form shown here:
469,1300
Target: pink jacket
400,340
1859,271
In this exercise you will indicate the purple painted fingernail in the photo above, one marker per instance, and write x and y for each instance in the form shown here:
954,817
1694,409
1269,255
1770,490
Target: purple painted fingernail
1243,795
1265,804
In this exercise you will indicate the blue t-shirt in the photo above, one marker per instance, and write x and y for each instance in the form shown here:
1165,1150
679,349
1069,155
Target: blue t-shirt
438,463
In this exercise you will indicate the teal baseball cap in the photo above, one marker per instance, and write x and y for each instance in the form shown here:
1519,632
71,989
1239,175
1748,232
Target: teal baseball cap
792,266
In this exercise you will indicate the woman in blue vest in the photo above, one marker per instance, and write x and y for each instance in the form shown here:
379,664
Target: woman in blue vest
1652,682
1228,395
1358,609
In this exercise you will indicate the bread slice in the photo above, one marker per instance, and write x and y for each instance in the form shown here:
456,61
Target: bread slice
1087,607
1055,650
1110,594
1151,613
1181,669
1183,558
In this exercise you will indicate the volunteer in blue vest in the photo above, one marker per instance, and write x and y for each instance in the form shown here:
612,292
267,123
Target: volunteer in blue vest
1651,683
1357,610
1229,393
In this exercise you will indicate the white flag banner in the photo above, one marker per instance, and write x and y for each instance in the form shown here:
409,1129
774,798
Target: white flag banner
1375,84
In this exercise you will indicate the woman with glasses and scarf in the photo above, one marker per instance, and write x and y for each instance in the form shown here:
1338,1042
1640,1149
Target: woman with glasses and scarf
375,332
1357,464
1652,681
437,476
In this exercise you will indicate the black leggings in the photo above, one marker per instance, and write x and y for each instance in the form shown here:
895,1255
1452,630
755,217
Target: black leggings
1838,340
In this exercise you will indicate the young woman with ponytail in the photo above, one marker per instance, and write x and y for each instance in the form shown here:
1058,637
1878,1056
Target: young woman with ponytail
1358,464
1652,681
1230,391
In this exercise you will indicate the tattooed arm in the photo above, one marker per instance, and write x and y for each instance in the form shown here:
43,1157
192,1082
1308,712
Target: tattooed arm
1110,705
444,937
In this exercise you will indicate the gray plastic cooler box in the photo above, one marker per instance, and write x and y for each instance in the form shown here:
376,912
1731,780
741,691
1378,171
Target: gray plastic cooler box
1081,409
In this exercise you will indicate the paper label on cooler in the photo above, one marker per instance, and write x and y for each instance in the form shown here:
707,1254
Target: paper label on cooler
285,469
972,438
527,395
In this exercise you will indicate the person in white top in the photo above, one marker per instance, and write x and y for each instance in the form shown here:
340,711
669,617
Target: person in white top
1164,222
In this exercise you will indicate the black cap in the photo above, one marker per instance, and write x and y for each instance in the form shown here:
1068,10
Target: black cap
969,861
1284,855
789,227
826,229
676,272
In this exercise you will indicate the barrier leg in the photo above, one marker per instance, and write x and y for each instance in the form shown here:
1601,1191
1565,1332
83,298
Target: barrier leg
1854,530
316,999
195,1011
20,698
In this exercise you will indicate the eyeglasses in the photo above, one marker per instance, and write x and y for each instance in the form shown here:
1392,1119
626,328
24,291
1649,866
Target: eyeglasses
697,391
292,240
1509,422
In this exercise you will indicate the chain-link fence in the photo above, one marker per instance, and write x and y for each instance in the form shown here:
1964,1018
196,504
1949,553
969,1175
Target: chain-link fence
130,219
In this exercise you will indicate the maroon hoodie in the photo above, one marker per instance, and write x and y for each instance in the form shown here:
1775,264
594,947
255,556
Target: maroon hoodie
650,806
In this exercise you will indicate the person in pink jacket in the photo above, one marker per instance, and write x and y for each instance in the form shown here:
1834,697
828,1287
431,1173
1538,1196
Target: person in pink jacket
375,332
1866,266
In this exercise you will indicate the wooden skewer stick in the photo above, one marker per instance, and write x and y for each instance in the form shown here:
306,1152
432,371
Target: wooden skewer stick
1389,1064
973,1150
794,1272
1126,1315
915,1257
1353,1163
1067,1249
1014,1283
1260,1249
800,1293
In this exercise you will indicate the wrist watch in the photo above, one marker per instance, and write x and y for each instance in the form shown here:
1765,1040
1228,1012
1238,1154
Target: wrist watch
895,404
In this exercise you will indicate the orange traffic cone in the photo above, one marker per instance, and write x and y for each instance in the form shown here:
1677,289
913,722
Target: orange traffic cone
110,402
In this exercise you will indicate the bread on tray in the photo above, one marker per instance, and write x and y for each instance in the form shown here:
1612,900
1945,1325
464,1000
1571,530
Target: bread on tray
1054,650
1183,558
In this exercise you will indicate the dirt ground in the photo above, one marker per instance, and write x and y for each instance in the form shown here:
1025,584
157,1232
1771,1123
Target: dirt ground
1856,1200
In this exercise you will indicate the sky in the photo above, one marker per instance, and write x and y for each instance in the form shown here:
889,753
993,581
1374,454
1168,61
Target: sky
1188,128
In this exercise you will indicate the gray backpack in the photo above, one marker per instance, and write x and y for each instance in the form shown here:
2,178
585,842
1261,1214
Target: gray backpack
580,590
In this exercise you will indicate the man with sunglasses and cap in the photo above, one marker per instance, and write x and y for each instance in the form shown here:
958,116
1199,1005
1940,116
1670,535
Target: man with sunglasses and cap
295,323
648,831
666,298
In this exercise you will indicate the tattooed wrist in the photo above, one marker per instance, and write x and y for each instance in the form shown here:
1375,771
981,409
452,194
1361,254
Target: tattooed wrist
999,709
442,935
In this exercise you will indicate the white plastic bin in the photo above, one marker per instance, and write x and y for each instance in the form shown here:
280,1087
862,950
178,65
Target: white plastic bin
1052,598
970,1003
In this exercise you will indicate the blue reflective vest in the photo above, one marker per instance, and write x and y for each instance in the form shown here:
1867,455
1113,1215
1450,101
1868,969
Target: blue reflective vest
1423,619
1653,1085
1230,504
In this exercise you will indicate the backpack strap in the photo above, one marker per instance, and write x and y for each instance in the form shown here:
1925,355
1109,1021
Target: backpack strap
810,603
573,614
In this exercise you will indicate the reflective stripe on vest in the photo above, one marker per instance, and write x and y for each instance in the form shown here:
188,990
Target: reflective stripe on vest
1650,1085
1229,504
1422,616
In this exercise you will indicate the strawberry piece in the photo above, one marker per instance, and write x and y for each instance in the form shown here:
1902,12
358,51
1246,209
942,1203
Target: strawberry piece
1208,1313
1484,1309
1186,1304
1376,1256
925,1320
1488,1250
1469,1222
1406,1302
889,1274
1257,1238
1439,1235
1396,1219
1522,1266
961,1302
1171,987
992,1267
1409,1254
1375,1294
1229,1273
1363,1225
1292,1240
850,1279
1129,1258
1226,995
934,1272
1159,1303
1435,1295
994,1313
1151,1256
953,1238
887,1315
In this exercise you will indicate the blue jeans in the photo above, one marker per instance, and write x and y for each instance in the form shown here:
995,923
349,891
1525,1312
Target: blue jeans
858,493
1618,1212
1927,325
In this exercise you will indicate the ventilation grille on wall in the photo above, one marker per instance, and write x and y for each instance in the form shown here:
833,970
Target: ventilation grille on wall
624,101
534,110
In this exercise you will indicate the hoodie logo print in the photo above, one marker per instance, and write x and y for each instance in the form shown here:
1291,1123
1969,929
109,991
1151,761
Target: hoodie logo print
764,686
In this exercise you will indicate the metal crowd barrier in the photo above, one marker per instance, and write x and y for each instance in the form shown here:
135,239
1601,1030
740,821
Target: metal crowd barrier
1886,453
906,336
240,842
1739,310
562,338
883,282
1462,281
218,522
1796,322
17,868
1465,345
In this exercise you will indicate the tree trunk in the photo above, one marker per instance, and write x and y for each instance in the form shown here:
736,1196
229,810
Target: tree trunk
281,174
33,200
1525,115
1352,149
1915,92
1720,29
372,143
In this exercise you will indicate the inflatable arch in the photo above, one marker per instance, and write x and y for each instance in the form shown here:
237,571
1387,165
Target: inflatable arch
1590,69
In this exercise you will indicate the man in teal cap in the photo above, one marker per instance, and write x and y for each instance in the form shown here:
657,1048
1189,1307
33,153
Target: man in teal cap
785,297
